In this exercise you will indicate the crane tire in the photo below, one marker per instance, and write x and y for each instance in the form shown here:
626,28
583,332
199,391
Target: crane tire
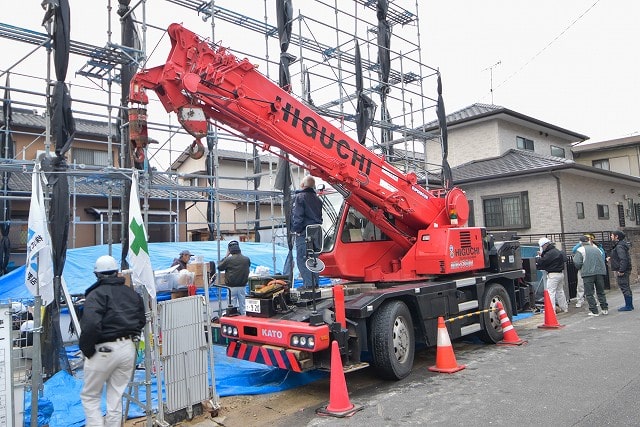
492,330
392,340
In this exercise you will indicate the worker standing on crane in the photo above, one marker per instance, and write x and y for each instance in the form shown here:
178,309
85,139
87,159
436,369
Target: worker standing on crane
307,210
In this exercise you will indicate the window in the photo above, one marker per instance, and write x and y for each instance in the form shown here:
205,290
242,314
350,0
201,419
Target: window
357,228
90,157
557,151
524,143
580,210
601,164
603,211
507,211
621,219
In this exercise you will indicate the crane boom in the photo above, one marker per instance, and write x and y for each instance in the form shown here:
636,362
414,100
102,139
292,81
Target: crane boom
201,83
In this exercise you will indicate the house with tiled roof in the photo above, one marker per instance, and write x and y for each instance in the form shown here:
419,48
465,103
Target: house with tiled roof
96,185
244,192
617,155
519,174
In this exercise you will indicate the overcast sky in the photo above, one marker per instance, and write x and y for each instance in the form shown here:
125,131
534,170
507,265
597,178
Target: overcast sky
571,63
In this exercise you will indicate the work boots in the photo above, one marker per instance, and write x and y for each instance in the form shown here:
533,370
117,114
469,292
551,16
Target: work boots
628,301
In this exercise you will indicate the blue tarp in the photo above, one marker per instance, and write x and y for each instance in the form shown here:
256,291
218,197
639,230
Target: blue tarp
78,268
233,377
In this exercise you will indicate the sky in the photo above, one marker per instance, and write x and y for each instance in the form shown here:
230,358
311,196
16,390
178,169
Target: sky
571,63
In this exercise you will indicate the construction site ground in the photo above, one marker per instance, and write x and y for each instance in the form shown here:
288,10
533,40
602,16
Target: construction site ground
300,403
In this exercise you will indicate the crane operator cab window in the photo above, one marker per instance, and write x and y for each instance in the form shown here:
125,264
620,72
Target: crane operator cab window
357,228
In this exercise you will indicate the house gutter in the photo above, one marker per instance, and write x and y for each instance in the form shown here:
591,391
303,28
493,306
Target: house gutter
559,191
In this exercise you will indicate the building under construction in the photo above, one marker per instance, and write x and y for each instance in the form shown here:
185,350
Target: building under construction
355,63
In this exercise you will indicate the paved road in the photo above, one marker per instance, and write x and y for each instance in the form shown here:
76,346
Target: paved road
585,374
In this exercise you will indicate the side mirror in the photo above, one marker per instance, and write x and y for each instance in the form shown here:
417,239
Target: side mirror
314,239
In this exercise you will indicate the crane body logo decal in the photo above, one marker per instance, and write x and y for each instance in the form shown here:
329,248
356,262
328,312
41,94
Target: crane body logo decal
327,139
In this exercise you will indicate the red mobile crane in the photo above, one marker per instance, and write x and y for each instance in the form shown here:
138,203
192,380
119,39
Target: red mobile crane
422,265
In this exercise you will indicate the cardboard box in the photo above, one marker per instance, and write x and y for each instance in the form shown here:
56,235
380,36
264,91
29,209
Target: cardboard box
179,294
199,270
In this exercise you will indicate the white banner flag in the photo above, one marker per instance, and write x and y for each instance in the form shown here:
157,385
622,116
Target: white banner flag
39,265
138,256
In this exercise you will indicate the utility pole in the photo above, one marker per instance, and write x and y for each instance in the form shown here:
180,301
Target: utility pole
490,68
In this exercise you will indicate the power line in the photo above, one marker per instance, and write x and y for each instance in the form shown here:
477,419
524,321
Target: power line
547,46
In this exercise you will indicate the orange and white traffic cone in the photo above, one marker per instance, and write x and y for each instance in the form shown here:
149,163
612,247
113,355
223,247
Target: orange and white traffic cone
445,359
550,319
339,404
509,334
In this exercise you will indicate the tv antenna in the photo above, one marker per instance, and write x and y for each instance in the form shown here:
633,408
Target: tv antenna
490,68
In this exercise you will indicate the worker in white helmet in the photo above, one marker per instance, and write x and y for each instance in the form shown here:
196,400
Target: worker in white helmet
112,319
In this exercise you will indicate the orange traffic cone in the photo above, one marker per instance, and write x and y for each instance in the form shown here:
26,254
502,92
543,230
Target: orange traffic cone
509,334
339,404
550,319
445,359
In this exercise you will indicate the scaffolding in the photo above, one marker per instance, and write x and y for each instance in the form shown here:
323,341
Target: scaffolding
323,39
335,50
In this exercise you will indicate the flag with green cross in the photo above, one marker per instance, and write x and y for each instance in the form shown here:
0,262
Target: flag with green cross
138,256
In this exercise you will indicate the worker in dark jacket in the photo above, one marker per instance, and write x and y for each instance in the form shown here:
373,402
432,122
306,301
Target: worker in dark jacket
182,260
552,261
621,267
236,269
307,210
112,319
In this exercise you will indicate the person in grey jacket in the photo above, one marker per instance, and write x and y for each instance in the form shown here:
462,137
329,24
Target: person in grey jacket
588,259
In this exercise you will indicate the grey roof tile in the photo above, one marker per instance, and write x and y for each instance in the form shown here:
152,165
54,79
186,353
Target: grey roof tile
31,119
98,184
513,162
478,111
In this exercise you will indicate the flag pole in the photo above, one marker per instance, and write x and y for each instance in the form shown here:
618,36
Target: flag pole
142,275
36,363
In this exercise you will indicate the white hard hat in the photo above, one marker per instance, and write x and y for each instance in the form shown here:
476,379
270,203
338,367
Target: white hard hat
106,264
543,241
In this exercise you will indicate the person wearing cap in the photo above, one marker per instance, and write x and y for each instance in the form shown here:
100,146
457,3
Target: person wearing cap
552,261
580,284
588,260
621,267
112,319
182,260
307,210
236,267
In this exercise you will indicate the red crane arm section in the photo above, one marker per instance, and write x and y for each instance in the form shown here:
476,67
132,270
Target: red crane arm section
200,83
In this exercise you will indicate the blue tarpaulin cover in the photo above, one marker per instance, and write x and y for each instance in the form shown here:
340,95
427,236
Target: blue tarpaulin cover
233,377
60,404
78,268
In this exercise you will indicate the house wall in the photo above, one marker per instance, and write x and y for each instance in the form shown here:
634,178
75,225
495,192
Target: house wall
544,206
468,143
236,206
492,138
624,160
592,192
542,141
27,143
542,200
